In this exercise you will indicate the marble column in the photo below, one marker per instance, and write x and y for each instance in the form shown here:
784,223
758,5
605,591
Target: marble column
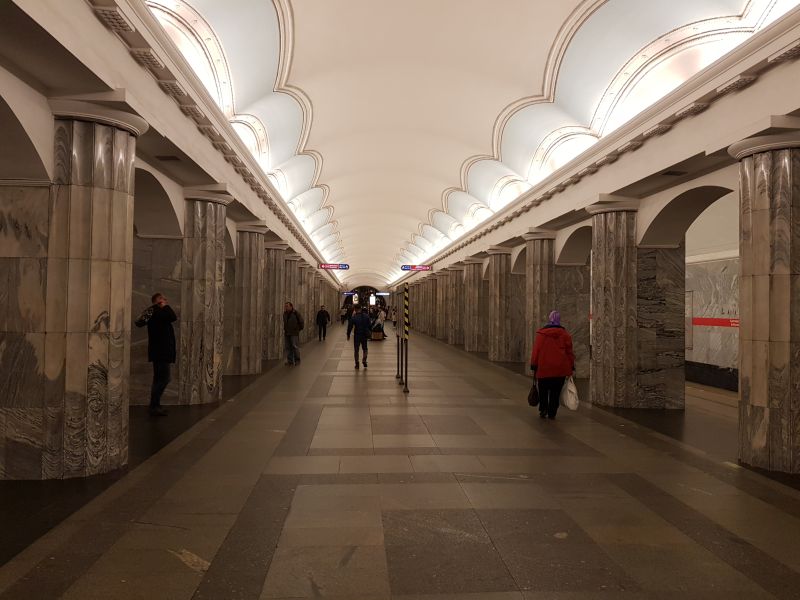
442,309
65,266
473,279
540,285
274,297
769,333
455,306
248,308
301,303
499,304
202,298
614,298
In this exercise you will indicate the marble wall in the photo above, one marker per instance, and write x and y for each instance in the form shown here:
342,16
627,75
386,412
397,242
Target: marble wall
156,268
769,374
540,287
573,301
712,291
65,313
660,319
274,275
200,354
518,327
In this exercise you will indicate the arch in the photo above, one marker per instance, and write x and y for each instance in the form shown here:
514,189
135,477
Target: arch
576,246
154,214
670,224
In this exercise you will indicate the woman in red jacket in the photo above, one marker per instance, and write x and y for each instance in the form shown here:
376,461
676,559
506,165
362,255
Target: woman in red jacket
552,361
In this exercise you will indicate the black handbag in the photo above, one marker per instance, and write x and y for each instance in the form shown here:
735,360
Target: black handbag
533,395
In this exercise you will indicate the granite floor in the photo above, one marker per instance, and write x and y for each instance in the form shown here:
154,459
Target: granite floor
323,481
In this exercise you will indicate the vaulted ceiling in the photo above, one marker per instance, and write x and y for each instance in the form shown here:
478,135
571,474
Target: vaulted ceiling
392,128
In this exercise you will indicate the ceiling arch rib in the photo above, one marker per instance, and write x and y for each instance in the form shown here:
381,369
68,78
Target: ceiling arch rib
226,43
599,79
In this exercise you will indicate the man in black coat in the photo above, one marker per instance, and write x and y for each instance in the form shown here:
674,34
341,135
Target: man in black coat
292,326
161,349
361,326
323,318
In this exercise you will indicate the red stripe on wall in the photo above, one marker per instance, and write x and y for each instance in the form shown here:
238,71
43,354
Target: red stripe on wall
706,322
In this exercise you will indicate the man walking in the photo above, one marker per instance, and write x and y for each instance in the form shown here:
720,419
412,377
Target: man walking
360,322
323,318
161,351
292,326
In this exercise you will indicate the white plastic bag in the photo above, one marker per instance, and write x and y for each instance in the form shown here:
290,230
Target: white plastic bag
569,394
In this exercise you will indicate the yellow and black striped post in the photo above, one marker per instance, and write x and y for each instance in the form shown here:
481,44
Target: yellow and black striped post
406,323
397,330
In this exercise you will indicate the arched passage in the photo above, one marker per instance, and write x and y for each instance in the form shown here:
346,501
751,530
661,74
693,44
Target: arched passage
575,248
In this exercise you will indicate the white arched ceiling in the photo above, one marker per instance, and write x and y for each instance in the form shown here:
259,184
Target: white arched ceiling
241,51
420,142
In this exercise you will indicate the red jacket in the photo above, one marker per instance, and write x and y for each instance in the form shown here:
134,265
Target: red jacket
552,354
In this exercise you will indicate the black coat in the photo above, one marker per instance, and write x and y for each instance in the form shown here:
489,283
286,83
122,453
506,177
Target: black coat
160,335
292,323
323,317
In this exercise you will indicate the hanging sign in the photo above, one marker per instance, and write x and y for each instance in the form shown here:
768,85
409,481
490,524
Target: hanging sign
416,268
334,266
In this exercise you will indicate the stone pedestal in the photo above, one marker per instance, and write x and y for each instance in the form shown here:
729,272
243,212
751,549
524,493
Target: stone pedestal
202,298
614,326
274,297
769,334
65,264
540,287
248,307
473,279
500,349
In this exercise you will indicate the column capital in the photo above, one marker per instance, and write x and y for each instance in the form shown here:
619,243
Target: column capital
494,250
253,227
276,246
473,260
534,233
455,268
80,110
764,143
203,196
293,256
629,205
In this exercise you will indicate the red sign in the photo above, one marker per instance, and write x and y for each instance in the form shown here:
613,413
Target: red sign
335,266
416,268
708,322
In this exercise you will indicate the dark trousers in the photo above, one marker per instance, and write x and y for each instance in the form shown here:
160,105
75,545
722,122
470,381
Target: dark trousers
323,330
549,394
160,380
359,342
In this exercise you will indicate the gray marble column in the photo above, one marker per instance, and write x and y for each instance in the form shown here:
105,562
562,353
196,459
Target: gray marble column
66,263
248,309
442,308
274,297
473,279
455,306
202,298
614,299
499,304
769,334
540,284
301,304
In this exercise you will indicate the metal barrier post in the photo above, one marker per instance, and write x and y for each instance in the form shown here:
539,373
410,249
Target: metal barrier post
399,355
405,335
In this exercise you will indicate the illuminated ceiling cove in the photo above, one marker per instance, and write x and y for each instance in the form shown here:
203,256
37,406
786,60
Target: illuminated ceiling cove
393,128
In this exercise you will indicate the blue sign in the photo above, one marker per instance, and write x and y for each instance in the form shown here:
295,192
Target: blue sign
348,293
415,268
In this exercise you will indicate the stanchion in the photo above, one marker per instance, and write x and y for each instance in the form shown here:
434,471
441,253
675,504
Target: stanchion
405,337
399,355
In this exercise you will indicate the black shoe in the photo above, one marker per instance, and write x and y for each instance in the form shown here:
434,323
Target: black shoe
288,363
365,364
542,415
158,412
356,365
297,362
551,417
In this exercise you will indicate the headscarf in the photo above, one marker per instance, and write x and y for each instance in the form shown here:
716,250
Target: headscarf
554,318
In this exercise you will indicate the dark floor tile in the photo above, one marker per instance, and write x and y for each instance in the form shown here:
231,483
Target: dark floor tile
334,479
441,551
416,478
